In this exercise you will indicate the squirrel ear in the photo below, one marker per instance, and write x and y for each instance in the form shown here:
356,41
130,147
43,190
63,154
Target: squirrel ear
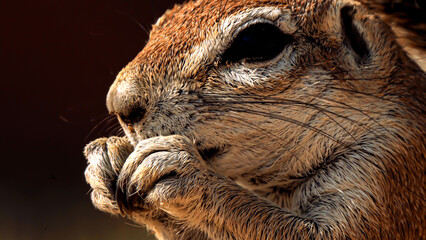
405,16
352,37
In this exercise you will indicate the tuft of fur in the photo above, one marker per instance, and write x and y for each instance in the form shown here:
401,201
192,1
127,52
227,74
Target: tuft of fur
324,141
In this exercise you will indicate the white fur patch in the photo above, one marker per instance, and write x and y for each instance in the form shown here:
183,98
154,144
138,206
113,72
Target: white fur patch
220,36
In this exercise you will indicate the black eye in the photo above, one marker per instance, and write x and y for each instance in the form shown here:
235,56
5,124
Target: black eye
258,42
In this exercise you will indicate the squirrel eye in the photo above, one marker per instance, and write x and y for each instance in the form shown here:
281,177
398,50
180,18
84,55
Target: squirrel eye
258,42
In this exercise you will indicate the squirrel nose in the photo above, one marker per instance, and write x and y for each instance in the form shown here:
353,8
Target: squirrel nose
125,101
114,97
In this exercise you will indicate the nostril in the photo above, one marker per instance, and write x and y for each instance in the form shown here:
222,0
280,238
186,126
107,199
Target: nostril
134,116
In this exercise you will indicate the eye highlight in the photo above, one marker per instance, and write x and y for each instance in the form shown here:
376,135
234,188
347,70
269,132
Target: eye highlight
258,42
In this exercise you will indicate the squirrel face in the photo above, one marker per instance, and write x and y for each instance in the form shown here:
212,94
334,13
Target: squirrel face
267,120
289,83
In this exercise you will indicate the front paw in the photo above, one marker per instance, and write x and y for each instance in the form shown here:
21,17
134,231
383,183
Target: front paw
161,172
106,157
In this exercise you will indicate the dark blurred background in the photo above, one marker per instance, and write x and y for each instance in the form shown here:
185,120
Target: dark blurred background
57,61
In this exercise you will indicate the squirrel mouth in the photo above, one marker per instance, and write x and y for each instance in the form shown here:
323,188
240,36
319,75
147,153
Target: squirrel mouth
209,154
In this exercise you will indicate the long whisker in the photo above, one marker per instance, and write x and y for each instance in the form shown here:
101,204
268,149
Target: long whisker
374,96
133,20
318,107
111,130
264,131
105,120
287,119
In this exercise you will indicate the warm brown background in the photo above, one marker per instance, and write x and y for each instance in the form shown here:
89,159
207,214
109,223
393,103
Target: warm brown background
57,60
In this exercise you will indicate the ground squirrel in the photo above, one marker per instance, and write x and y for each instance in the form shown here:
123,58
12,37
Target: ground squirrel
263,119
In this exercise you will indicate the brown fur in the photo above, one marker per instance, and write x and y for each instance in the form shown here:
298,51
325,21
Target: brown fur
314,144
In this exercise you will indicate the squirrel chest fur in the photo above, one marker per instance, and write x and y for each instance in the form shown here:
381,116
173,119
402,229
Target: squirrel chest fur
257,119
